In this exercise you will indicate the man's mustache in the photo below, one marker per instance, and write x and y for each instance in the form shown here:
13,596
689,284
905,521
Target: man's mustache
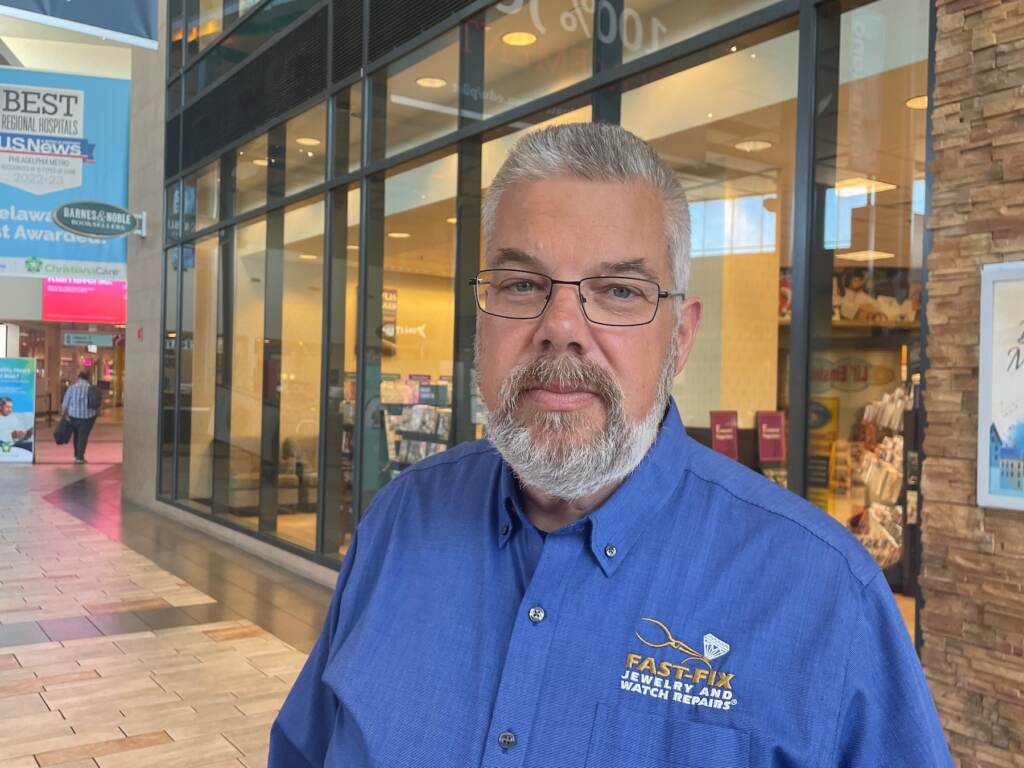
562,372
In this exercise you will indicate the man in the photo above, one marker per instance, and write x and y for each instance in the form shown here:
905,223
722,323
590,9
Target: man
590,587
15,428
75,407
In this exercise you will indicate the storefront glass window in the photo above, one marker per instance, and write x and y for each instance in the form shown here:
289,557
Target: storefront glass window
301,333
198,364
532,49
176,46
413,323
865,342
172,211
348,130
248,277
202,198
727,127
205,23
422,94
168,371
251,175
339,512
305,155
650,25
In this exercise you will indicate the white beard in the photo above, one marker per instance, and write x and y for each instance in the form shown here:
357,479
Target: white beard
562,461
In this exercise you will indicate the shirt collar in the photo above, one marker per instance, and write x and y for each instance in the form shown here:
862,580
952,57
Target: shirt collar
616,525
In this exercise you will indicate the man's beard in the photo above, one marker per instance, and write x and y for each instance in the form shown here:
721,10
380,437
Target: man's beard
557,452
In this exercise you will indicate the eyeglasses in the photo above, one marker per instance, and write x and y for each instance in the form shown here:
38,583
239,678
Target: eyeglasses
606,300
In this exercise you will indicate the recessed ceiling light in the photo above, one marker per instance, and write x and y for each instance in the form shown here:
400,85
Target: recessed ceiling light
710,115
860,185
753,145
866,256
352,247
399,235
261,162
519,39
308,141
431,82
753,55
309,154
917,102
308,256
733,49
451,220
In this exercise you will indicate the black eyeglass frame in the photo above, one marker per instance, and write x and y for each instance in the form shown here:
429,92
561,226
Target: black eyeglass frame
476,282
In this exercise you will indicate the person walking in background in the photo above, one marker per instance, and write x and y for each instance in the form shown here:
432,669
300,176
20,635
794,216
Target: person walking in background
81,410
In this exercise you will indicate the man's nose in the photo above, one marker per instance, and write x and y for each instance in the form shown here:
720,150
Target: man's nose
564,326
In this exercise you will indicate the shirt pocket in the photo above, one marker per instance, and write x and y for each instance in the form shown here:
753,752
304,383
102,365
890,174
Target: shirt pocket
626,737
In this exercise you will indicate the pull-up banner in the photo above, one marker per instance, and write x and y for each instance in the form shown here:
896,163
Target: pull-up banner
127,21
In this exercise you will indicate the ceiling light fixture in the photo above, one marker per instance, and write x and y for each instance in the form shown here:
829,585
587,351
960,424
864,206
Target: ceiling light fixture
431,82
352,247
710,115
308,256
399,235
860,185
519,39
917,102
733,49
309,154
753,55
451,220
308,141
753,145
261,162
866,256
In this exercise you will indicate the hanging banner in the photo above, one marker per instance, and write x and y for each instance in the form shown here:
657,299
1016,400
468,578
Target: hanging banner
132,22
63,138
17,409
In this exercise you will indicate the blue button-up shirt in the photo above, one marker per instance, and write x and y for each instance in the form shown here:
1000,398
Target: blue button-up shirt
701,616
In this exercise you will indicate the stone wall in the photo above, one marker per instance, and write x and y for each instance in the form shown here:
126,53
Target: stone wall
972,575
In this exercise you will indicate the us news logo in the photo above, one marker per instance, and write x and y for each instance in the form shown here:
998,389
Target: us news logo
693,680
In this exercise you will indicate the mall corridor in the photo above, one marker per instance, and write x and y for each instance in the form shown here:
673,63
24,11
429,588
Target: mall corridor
127,639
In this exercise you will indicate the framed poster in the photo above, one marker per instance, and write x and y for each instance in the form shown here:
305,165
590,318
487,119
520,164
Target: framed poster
17,410
1001,387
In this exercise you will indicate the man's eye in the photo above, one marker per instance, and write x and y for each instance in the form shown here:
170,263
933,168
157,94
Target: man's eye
520,286
622,292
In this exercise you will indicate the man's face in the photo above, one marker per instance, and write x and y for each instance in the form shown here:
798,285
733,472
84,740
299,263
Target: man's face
570,228
5,409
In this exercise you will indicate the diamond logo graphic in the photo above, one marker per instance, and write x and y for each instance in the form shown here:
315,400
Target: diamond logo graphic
713,647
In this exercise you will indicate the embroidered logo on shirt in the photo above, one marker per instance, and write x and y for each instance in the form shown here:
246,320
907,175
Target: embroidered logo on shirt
693,682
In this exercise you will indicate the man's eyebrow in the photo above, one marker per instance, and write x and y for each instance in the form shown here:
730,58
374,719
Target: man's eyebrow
516,256
638,266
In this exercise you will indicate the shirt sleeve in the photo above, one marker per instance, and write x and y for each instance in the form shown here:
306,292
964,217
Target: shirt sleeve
887,714
302,731
67,398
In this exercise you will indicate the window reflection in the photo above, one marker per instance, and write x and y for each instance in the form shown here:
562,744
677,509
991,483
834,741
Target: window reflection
532,49
198,364
731,147
205,23
247,295
305,154
168,371
251,175
422,94
202,198
301,332
348,129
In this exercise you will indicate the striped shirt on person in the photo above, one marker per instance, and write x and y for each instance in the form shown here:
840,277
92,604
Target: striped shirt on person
76,401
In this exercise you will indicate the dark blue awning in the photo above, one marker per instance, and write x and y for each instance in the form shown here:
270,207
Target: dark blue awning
128,21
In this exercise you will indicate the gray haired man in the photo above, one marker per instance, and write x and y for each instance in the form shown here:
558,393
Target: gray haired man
589,587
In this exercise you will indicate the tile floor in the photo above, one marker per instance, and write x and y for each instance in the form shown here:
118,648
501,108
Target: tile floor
127,639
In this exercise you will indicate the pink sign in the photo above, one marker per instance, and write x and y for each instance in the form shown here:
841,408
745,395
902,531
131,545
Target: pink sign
80,300
724,436
771,437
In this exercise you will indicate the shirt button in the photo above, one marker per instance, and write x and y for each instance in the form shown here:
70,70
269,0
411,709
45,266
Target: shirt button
506,739
610,550
537,614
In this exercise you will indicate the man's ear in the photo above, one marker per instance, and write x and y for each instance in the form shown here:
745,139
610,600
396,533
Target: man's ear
689,322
